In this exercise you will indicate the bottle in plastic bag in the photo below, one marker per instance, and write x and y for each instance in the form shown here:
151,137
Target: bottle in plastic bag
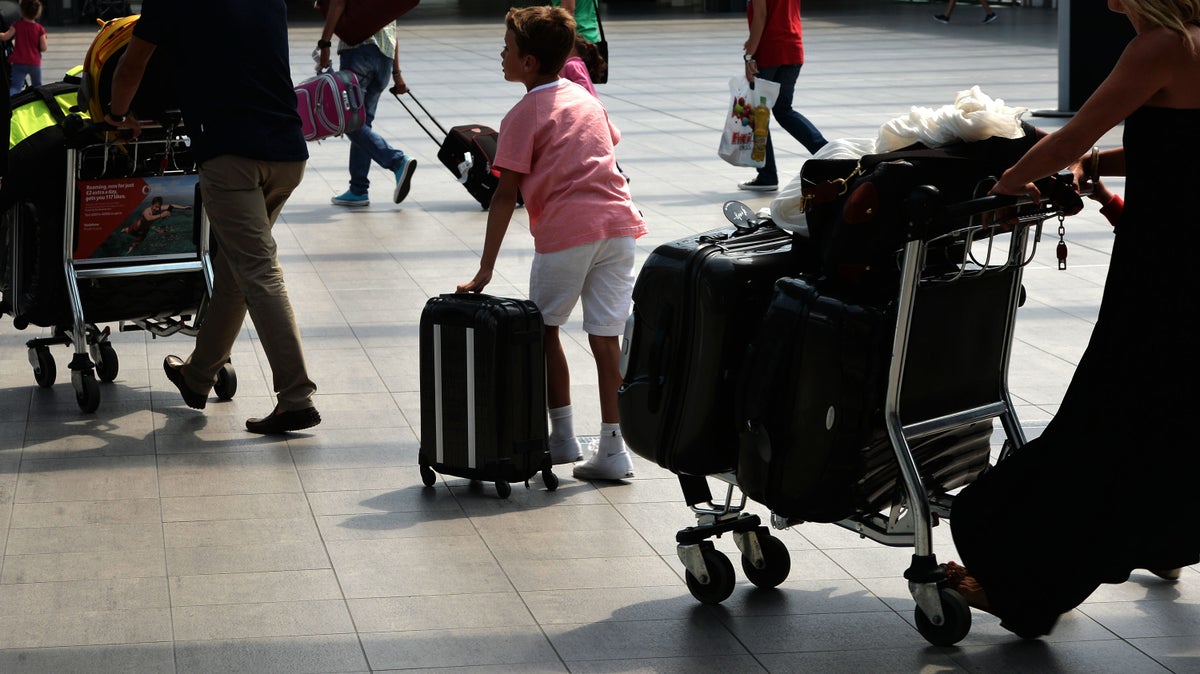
762,117
463,167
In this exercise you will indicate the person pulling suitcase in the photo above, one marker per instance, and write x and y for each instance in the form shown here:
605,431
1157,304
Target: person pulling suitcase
582,219
377,64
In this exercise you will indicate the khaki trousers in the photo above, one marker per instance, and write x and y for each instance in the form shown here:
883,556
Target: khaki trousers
242,198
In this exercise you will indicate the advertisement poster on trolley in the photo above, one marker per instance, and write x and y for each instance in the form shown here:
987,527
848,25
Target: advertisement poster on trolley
138,219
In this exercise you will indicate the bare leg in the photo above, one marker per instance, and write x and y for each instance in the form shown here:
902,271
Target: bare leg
607,352
558,377
949,7
986,8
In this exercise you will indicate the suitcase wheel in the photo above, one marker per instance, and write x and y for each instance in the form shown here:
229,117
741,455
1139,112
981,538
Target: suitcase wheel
718,585
44,369
503,489
776,563
428,476
549,479
956,620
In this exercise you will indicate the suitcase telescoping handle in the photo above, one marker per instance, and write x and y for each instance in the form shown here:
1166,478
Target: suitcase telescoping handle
417,119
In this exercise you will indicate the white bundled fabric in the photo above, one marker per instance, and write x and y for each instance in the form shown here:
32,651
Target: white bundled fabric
974,116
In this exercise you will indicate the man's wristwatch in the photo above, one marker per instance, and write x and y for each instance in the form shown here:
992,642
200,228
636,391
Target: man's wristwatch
324,44
119,119
747,57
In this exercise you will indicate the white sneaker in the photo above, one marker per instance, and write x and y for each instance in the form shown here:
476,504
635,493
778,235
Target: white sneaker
604,465
568,451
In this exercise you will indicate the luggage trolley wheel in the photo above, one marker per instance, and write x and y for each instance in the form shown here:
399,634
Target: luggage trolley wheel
226,385
777,563
549,479
956,620
720,577
44,370
107,363
87,390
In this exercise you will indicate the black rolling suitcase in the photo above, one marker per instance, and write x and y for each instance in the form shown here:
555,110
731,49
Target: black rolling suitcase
696,306
466,150
483,391
815,446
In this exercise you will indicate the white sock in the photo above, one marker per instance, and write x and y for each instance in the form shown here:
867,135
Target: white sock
562,428
611,441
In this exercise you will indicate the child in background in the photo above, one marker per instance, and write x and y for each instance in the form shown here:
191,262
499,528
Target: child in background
582,67
556,148
29,41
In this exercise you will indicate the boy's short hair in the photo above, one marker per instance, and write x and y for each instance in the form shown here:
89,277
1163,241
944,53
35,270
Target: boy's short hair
545,33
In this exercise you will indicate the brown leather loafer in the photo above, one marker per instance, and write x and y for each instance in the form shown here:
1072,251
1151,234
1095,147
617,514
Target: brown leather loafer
171,365
283,422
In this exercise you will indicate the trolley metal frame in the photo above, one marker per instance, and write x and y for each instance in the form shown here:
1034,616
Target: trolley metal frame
159,150
942,616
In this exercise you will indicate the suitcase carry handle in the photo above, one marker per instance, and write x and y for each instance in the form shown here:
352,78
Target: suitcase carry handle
416,119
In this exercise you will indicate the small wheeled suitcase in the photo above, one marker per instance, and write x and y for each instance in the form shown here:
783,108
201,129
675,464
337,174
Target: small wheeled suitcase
696,306
814,444
483,391
330,104
466,150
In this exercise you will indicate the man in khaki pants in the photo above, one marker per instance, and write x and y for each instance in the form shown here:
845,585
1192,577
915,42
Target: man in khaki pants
239,106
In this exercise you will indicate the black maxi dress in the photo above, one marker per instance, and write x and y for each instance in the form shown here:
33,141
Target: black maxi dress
1113,483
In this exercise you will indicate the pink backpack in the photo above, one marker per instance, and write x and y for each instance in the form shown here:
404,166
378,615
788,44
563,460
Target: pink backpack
330,104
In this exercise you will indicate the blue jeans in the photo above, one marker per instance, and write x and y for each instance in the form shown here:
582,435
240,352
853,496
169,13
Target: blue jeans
791,121
374,70
19,72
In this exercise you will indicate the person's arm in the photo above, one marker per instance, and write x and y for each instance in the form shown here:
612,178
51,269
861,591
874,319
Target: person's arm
43,42
8,34
398,84
1144,69
569,5
333,14
757,25
504,202
125,81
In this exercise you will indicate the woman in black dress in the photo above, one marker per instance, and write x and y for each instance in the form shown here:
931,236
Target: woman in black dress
1112,484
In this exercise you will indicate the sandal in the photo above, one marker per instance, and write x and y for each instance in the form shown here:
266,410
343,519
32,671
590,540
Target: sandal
960,580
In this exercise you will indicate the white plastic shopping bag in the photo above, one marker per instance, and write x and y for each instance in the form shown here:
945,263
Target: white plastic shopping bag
744,137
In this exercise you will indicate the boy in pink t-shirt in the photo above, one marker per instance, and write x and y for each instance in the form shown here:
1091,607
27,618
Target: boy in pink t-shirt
556,148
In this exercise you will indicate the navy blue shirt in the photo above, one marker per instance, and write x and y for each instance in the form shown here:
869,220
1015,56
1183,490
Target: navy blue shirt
229,65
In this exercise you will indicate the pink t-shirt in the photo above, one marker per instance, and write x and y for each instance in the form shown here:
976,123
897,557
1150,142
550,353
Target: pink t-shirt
559,137
576,71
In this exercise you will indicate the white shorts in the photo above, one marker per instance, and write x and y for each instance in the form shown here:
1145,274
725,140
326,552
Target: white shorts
600,273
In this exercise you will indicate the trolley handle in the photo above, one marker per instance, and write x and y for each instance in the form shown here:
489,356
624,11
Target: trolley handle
931,218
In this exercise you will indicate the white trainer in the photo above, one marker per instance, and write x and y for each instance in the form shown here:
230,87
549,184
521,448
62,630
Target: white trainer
567,451
603,465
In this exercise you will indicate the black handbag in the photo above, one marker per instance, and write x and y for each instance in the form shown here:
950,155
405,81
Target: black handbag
601,46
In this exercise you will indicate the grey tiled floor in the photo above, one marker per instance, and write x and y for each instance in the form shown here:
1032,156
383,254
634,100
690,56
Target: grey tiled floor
149,537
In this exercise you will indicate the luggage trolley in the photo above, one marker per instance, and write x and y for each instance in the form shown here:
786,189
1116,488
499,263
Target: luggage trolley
125,261
917,405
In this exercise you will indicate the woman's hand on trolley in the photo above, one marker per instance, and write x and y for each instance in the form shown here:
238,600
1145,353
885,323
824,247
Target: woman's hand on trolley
1009,185
127,122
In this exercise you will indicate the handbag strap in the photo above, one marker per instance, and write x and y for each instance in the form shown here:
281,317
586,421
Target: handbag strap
599,26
